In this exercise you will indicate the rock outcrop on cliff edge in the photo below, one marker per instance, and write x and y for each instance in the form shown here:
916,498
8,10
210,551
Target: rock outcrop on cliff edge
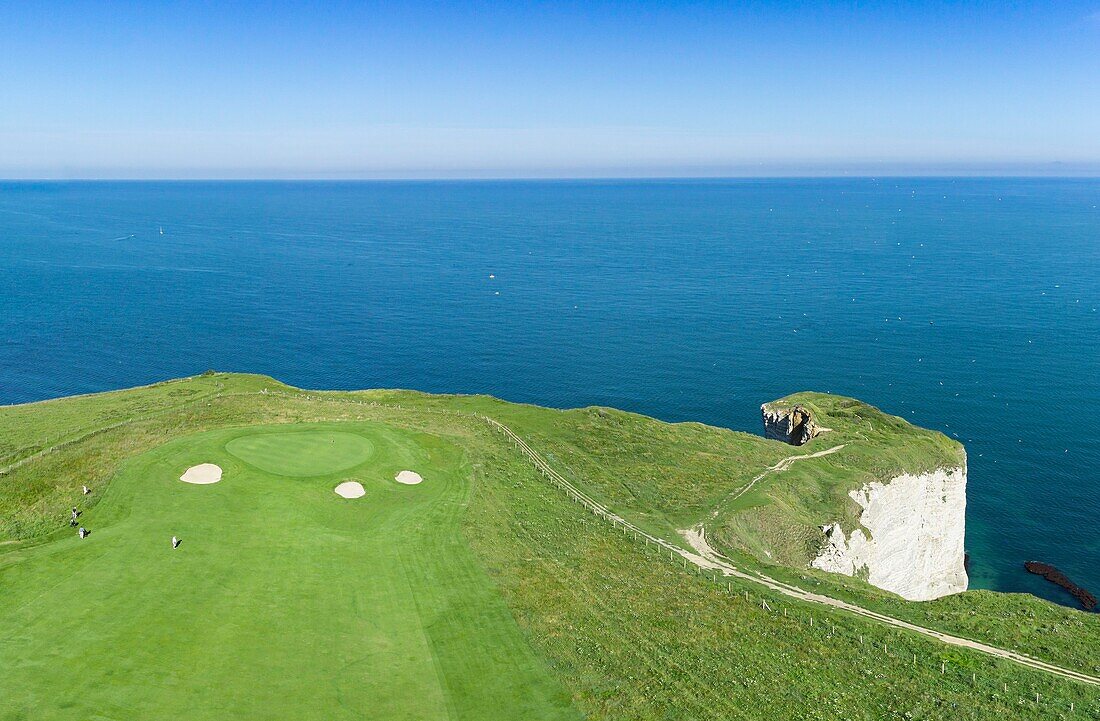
790,424
901,522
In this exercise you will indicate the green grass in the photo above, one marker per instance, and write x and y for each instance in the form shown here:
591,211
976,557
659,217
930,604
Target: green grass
639,637
302,453
283,600
30,427
668,477
482,593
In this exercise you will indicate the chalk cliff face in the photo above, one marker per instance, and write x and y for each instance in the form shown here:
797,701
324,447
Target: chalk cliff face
915,544
790,424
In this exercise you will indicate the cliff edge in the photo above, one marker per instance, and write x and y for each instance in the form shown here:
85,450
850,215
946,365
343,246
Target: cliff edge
792,424
910,539
889,506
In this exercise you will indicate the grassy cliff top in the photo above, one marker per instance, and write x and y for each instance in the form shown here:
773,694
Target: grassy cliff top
897,444
779,518
668,476
498,574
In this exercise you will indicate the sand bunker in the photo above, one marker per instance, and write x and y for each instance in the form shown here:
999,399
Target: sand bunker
351,489
409,478
202,474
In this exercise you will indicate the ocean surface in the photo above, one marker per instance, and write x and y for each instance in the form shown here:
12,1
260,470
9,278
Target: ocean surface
965,305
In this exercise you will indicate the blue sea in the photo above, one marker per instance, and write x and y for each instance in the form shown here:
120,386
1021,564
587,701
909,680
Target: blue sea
965,305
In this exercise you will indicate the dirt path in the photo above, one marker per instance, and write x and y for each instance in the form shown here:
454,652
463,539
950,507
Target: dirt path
781,466
706,557
696,537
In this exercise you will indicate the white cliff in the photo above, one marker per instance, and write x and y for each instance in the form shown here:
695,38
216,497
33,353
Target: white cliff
914,547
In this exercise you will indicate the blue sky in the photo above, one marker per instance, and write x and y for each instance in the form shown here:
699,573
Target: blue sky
282,89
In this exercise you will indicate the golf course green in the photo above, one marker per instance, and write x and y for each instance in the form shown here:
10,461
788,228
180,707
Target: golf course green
301,453
281,601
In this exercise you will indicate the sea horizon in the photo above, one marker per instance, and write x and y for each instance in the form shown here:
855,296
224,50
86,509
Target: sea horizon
1060,171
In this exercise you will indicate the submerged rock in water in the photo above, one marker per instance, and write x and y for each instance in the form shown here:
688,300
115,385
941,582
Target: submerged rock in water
1052,574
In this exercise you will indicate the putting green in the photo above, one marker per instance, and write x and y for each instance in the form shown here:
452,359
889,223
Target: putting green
284,601
302,453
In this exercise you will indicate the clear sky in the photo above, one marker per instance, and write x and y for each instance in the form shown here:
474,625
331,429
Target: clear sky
447,89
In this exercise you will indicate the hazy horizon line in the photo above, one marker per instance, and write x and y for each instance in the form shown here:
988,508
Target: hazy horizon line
640,171
1083,174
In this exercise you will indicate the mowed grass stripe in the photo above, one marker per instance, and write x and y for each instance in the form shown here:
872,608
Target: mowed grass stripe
460,605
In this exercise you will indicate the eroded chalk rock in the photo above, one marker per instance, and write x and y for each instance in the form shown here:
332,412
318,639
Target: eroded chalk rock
790,424
910,539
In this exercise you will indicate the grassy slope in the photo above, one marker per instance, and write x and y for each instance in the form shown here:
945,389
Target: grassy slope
666,477
28,429
672,476
779,518
629,635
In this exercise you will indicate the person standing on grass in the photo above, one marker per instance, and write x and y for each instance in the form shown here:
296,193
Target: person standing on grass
82,532
86,490
175,542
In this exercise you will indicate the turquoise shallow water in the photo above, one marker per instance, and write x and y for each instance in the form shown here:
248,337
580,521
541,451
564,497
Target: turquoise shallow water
966,305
